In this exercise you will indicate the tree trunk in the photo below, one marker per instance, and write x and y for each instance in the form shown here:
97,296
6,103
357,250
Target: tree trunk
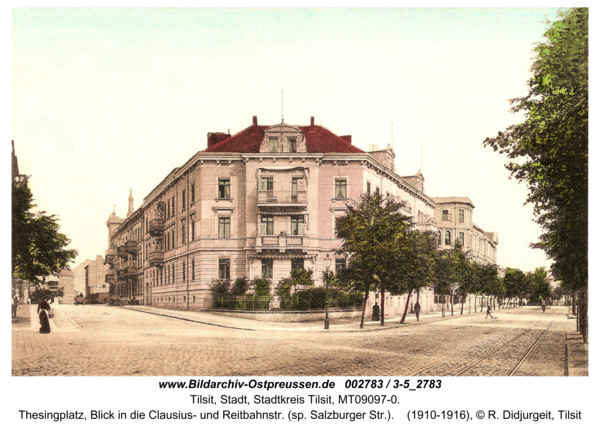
573,303
481,309
462,305
452,303
382,319
364,308
406,306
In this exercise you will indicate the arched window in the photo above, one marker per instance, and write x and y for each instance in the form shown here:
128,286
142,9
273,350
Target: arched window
447,237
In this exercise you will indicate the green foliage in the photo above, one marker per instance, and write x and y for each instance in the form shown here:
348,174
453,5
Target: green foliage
541,289
444,276
240,287
319,298
553,142
301,277
44,294
262,286
220,287
37,245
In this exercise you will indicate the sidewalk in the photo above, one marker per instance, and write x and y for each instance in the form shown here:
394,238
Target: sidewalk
337,325
577,355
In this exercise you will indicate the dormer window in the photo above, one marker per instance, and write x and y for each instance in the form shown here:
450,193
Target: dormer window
273,141
292,144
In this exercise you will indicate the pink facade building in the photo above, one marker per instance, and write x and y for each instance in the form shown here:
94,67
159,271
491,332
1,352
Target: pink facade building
255,204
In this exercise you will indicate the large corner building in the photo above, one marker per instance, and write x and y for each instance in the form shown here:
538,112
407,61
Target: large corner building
255,204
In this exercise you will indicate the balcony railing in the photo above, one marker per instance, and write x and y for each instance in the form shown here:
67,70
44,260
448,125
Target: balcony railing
156,226
131,247
121,274
110,276
156,255
111,257
121,251
131,269
282,241
284,198
424,219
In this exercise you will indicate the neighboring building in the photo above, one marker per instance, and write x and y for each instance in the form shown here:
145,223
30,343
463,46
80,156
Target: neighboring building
66,281
95,289
454,218
124,259
256,204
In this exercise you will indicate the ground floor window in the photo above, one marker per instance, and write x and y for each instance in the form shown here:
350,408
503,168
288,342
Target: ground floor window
267,269
224,268
297,263
340,264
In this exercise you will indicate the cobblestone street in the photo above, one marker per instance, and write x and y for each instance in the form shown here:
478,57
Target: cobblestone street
102,340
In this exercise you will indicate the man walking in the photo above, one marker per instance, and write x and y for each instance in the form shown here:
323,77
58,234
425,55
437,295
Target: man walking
417,310
15,305
489,311
543,306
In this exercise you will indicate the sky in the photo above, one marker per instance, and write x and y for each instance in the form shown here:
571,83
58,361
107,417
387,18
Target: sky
108,100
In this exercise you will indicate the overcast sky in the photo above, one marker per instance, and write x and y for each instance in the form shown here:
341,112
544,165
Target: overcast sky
104,100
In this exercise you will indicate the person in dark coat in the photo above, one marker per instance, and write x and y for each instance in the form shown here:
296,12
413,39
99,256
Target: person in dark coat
417,309
375,316
44,314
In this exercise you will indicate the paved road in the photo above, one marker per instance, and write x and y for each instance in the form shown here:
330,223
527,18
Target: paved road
102,340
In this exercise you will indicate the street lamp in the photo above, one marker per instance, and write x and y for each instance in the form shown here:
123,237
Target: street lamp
326,279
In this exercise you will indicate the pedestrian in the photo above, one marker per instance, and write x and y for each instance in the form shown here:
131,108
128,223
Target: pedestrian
543,306
417,310
43,312
489,311
375,315
15,305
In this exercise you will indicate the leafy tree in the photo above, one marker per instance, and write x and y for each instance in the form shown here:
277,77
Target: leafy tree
418,267
297,277
239,287
375,242
37,245
45,294
262,286
220,287
541,285
553,144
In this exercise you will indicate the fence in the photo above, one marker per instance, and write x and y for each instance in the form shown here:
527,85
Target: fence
299,303
246,303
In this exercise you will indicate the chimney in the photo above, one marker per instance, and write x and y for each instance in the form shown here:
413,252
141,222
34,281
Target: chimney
312,121
254,121
347,138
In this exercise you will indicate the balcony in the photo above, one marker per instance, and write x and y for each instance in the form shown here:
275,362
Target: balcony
131,247
281,199
110,276
131,269
121,252
282,243
156,255
111,257
156,227
120,274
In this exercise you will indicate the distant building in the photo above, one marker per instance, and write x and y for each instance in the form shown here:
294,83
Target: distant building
79,274
66,281
454,218
96,289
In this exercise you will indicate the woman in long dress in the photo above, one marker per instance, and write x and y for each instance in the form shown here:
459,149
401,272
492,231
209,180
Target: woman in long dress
43,309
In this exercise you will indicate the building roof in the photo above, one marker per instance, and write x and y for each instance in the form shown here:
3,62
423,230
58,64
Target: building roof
439,200
318,140
65,272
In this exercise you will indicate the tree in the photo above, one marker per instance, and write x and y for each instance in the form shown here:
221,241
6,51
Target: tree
38,249
443,275
418,269
45,294
541,285
553,142
375,243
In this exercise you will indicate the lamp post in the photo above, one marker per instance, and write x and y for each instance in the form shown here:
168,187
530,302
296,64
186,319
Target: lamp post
326,279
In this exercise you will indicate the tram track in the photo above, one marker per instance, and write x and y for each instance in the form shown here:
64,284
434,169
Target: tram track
493,357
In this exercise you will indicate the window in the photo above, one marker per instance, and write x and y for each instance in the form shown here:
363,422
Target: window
446,215
368,188
340,189
169,208
297,225
182,231
447,237
265,184
183,271
182,200
224,268
273,141
193,193
461,215
292,144
294,189
340,264
297,263
266,225
193,226
194,272
224,188
461,238
224,227
376,190
173,238
267,269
